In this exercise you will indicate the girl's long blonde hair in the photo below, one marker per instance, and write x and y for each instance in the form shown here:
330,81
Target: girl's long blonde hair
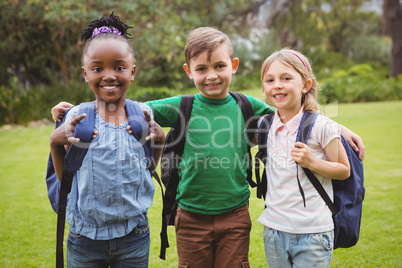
302,65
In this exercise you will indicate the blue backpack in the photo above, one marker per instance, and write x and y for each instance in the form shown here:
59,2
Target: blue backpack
348,194
57,192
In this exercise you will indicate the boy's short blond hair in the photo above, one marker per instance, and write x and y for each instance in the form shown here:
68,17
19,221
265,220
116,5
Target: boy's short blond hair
206,39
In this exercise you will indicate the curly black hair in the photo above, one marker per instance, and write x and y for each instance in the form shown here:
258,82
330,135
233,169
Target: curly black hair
111,21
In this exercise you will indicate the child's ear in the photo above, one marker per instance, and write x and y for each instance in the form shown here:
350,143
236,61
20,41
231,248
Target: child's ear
307,85
187,70
133,72
85,74
235,65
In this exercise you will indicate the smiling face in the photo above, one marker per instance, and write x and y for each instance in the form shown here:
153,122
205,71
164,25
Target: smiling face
283,87
108,68
212,75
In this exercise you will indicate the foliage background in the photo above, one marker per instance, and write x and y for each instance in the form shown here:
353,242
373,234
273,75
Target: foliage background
40,49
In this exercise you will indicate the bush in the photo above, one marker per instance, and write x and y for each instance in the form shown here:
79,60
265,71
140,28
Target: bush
324,61
17,103
360,83
372,48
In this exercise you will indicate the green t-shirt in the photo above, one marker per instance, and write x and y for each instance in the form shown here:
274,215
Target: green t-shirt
213,169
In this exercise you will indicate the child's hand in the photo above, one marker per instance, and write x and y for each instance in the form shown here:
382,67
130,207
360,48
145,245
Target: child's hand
94,134
302,155
129,130
64,135
79,118
157,134
58,110
355,141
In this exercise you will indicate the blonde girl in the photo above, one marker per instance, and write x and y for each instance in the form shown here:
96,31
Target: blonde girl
298,229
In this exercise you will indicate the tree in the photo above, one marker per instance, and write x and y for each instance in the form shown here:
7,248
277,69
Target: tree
39,40
392,25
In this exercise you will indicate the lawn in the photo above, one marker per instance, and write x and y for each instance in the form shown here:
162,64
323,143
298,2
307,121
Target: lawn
28,223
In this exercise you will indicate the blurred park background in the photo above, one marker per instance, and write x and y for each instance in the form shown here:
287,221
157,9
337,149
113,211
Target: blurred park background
355,47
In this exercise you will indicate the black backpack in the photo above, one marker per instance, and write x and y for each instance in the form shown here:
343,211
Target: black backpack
173,150
348,194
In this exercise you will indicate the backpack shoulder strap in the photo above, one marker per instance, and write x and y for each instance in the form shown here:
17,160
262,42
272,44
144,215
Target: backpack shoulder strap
261,155
251,126
139,127
306,124
84,131
52,182
303,133
182,122
179,137
262,134
248,113
72,162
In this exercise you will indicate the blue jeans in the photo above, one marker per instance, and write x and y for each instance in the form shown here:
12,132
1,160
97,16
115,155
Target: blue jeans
131,250
298,250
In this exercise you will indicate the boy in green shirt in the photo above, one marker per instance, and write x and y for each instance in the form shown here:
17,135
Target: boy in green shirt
212,222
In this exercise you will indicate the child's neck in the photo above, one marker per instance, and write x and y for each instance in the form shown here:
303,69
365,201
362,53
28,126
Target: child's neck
211,98
287,114
112,112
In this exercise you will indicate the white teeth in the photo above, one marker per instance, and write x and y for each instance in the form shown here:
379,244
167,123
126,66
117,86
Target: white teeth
109,87
279,96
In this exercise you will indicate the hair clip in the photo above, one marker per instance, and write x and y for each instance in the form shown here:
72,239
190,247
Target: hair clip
105,29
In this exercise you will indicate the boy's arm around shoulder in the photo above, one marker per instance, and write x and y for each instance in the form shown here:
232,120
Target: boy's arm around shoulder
259,108
354,140
165,111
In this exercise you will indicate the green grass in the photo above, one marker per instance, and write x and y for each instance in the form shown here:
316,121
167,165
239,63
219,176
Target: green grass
28,224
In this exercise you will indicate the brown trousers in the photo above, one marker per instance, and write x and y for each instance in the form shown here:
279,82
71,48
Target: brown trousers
213,241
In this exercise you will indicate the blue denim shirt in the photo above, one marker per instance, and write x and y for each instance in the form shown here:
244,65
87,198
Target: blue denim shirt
113,190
